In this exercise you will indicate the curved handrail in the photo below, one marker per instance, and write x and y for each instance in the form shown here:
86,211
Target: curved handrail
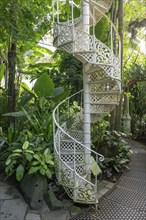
109,58
59,127
112,24
104,15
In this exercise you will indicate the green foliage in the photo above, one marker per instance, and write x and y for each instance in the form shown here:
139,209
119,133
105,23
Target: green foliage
98,130
135,86
133,35
3,106
111,145
119,161
139,128
21,19
102,30
6,146
31,154
2,68
67,71
44,86
28,149
138,100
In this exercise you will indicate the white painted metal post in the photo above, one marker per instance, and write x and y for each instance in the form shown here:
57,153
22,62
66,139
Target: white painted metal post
126,117
87,136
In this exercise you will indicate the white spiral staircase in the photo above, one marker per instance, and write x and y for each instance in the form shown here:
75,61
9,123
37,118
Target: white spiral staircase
75,161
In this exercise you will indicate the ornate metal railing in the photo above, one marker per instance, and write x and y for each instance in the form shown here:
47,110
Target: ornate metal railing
71,168
75,162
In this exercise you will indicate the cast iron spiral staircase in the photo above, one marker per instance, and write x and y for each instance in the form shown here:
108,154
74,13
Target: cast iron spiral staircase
73,169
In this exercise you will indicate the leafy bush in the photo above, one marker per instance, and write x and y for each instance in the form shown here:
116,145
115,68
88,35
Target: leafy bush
28,147
120,160
29,153
140,129
111,145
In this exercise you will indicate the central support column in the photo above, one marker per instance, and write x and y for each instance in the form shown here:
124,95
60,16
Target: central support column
87,135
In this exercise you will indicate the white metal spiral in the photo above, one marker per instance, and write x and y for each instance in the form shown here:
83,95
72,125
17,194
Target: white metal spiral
103,79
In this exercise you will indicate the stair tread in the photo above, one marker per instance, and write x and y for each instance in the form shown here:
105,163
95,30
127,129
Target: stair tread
69,140
109,80
103,103
106,92
68,151
100,113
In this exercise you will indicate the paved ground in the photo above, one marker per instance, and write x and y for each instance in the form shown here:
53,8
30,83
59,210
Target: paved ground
125,201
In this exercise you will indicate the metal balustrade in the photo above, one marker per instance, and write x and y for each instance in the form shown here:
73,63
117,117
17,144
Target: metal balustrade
74,159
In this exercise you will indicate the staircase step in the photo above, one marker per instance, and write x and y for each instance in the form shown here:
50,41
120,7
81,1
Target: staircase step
67,140
76,134
71,152
103,103
101,109
68,144
65,43
99,81
105,92
69,158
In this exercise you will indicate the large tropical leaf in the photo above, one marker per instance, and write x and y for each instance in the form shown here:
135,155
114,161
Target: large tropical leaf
14,114
44,86
43,50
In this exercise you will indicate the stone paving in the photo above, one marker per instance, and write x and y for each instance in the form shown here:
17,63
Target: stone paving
124,201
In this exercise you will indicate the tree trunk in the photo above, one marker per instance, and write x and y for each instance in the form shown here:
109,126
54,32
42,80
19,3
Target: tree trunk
120,30
120,27
11,80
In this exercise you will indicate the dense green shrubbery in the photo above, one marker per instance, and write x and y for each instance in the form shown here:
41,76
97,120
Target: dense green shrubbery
27,146
111,145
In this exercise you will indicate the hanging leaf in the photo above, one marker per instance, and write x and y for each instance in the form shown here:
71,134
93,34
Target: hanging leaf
15,114
39,48
42,171
37,157
49,174
25,86
25,145
44,86
33,170
28,156
19,172
8,161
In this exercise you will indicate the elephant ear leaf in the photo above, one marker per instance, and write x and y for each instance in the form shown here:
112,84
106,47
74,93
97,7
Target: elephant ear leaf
44,86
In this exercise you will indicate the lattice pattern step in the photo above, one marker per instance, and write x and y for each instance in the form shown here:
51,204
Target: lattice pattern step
84,43
101,109
70,145
69,158
77,134
97,75
106,73
104,98
97,117
97,15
